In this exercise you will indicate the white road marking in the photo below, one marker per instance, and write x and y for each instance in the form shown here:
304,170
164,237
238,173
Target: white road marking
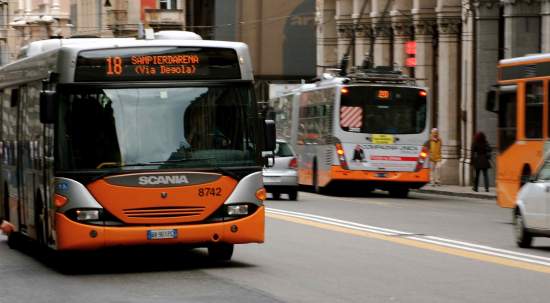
472,247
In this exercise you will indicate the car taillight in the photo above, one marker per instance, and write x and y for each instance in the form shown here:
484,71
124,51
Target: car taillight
293,163
421,158
341,156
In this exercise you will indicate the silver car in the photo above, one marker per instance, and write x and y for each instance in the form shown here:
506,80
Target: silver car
532,213
282,178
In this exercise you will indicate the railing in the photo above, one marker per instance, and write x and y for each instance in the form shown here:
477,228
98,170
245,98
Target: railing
165,18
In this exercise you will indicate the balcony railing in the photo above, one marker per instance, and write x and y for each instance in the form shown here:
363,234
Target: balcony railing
160,19
117,17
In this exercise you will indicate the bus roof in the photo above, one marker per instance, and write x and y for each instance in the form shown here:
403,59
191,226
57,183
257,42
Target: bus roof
65,51
526,59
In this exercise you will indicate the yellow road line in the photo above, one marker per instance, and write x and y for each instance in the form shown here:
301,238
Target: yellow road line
417,244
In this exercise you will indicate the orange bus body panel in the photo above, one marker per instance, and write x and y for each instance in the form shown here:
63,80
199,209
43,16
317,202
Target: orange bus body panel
509,168
139,205
72,235
337,173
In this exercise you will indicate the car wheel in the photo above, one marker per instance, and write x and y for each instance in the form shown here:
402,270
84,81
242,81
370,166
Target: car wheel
293,195
399,192
276,196
523,237
220,252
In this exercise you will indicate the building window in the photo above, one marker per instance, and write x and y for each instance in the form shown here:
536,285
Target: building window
168,4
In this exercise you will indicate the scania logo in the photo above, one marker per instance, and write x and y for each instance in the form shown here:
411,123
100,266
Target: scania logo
165,180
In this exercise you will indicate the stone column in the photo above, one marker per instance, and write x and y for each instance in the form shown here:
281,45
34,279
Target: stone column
363,29
326,35
382,32
522,28
344,31
448,94
363,37
424,29
486,54
402,26
545,28
402,31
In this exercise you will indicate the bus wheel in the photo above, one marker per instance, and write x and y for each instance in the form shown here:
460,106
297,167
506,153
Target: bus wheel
14,240
220,251
318,189
6,204
523,237
399,192
38,219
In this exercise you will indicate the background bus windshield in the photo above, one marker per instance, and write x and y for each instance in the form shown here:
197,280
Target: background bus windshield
185,126
383,110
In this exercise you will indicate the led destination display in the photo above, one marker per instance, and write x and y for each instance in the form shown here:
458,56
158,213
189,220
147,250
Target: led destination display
157,63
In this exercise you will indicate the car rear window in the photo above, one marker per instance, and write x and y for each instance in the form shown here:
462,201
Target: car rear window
283,150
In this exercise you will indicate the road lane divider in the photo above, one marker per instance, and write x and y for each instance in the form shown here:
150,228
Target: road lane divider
439,244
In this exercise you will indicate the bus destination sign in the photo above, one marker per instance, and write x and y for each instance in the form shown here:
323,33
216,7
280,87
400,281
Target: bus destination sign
157,63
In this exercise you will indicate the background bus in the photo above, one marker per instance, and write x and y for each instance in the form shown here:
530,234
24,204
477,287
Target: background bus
521,100
109,142
367,128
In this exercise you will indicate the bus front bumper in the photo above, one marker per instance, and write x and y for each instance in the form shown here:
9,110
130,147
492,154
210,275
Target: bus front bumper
73,235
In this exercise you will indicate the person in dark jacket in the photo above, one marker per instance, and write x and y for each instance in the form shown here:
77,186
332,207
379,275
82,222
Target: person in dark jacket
480,155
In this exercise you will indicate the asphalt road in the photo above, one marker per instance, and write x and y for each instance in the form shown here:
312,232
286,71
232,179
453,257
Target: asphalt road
427,248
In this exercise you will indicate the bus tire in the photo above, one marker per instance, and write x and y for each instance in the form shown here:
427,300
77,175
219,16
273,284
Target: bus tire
316,187
399,192
38,219
6,203
14,240
293,195
220,251
523,237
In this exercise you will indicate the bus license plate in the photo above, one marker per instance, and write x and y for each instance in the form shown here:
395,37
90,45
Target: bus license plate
162,234
381,175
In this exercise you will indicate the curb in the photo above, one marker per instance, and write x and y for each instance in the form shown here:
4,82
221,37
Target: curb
489,196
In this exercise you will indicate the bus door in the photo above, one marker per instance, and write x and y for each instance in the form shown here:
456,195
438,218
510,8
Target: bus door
31,137
19,171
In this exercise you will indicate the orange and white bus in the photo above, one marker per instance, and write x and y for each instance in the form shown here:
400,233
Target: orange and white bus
521,100
367,129
113,142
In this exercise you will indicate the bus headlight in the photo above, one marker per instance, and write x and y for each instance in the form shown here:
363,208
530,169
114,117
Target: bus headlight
237,210
87,215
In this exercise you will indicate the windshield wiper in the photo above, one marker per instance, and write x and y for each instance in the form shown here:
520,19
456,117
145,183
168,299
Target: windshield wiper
214,167
181,160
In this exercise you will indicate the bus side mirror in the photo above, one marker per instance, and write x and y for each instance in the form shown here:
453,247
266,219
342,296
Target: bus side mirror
491,102
47,106
270,135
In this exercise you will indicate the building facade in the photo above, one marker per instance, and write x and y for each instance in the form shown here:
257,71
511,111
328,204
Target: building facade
24,21
458,45
125,18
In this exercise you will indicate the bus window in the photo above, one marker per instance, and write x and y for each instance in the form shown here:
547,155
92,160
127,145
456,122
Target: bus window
533,110
383,110
506,119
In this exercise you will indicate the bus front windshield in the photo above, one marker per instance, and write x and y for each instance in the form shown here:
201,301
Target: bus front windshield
169,127
383,110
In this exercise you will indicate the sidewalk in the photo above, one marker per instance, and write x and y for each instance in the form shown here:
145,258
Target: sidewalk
461,191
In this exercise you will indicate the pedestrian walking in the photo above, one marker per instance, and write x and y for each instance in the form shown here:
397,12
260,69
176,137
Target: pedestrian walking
435,157
481,156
